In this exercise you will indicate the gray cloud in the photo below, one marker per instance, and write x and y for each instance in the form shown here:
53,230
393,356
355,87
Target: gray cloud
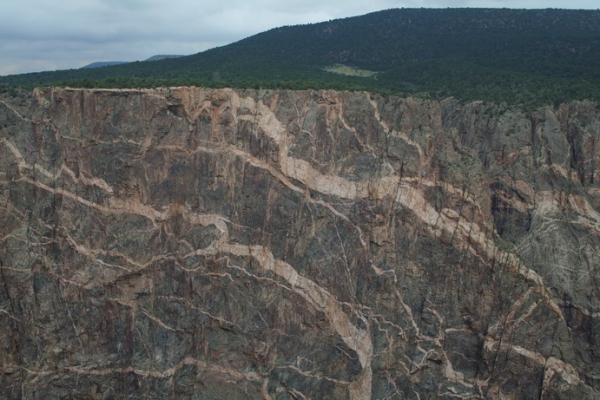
40,35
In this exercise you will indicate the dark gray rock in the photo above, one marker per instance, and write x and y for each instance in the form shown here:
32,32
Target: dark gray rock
199,243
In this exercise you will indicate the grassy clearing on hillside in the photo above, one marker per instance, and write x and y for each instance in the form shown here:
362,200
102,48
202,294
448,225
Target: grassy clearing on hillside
350,71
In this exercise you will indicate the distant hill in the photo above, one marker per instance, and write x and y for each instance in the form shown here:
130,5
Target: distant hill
520,56
163,57
112,63
103,64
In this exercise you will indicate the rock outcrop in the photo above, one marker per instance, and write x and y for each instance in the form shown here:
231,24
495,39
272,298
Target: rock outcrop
227,244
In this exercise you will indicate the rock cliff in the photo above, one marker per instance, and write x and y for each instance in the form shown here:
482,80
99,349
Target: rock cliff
227,244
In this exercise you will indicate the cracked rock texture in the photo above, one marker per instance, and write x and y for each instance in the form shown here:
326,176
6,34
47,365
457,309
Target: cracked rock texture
227,244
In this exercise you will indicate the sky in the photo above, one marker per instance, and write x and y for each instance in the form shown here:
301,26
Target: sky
45,35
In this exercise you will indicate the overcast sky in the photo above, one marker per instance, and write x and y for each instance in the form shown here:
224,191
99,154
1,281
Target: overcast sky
40,35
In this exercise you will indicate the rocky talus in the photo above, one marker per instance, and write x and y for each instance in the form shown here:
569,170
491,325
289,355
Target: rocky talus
228,244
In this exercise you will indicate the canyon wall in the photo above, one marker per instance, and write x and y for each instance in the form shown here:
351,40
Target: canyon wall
228,244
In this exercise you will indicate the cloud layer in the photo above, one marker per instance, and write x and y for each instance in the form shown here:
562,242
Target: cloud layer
38,35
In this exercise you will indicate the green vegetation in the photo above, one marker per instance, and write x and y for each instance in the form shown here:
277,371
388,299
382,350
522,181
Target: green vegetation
526,57
349,71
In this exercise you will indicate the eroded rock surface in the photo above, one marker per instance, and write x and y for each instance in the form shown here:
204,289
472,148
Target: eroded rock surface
196,243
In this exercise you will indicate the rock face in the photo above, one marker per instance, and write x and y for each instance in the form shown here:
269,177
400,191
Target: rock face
223,244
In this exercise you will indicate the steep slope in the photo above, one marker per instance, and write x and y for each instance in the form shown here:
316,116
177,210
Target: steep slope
200,243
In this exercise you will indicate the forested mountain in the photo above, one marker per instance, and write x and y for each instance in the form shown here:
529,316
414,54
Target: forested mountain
522,56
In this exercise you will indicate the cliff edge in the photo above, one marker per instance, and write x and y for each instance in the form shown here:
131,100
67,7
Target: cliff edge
218,243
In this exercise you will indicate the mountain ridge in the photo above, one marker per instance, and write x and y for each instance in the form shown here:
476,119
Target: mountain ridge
158,57
518,56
